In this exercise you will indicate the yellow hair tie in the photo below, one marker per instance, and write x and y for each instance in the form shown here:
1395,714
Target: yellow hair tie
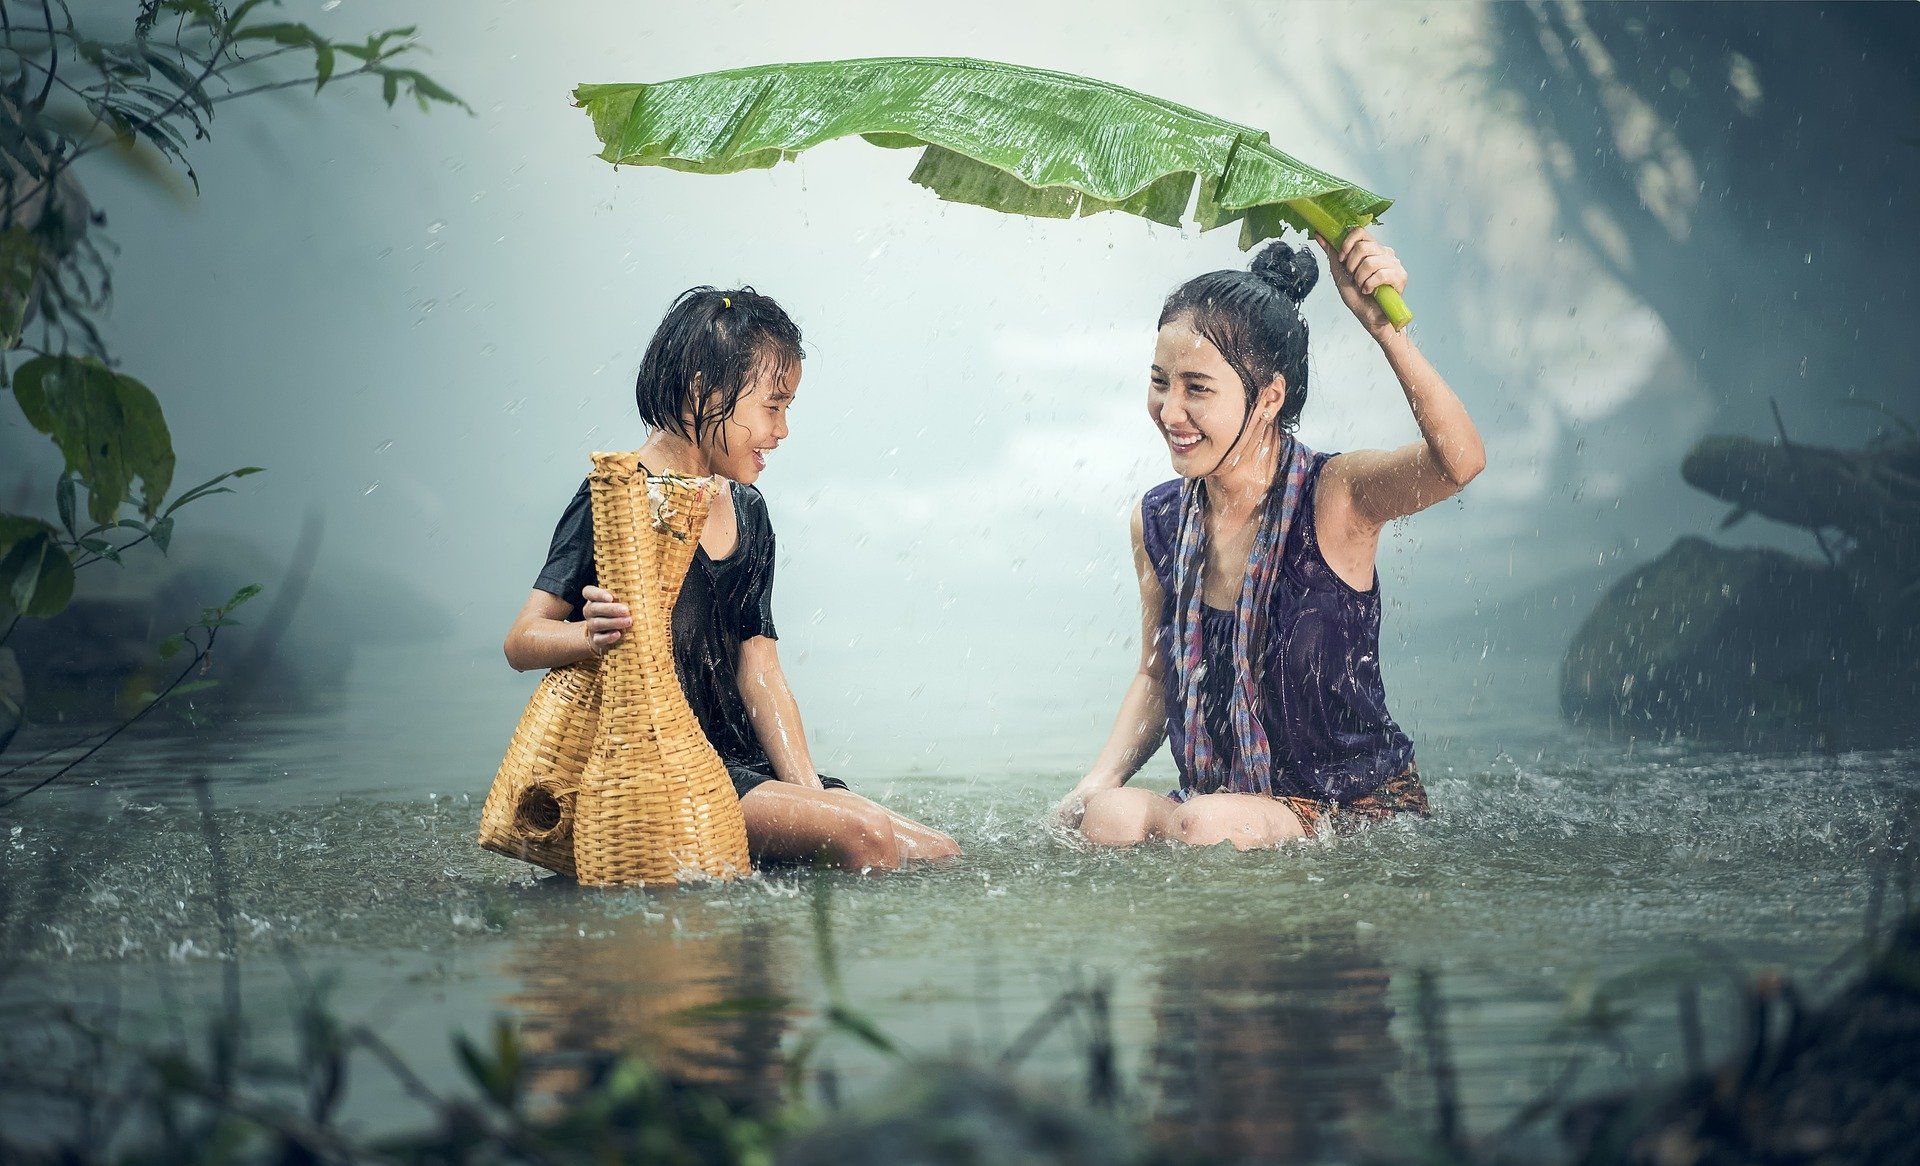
725,302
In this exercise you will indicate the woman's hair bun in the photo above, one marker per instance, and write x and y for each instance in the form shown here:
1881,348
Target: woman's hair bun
1291,270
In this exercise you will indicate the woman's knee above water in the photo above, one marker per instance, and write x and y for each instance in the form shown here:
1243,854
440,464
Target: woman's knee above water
1205,825
1116,817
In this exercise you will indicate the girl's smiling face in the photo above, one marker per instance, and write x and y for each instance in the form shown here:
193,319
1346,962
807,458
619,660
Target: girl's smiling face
737,448
1198,402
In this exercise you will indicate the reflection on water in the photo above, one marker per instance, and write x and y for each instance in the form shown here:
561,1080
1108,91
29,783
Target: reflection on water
703,1006
1255,994
1271,1048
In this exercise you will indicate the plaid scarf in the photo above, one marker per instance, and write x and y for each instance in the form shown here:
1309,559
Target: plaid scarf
1251,767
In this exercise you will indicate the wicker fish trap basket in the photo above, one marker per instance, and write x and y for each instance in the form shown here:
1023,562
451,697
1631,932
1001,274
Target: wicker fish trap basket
609,778
529,811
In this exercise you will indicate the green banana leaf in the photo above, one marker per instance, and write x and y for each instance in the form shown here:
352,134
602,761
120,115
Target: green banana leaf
1024,141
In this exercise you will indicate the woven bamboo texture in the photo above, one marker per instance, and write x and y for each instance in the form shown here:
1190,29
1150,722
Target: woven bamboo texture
608,777
655,801
529,811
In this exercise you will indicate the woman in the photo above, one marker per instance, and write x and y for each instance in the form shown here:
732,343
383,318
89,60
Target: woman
1259,604
714,389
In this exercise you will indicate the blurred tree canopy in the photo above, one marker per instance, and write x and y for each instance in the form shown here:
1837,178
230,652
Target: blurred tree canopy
1746,171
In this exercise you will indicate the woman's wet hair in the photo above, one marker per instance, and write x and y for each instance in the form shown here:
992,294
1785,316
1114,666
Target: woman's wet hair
705,352
1253,318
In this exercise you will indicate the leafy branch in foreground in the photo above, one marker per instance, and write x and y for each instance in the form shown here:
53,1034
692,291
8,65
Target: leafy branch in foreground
197,638
70,91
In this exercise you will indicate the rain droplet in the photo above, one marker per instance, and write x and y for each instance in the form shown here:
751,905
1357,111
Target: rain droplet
436,226
383,447
370,489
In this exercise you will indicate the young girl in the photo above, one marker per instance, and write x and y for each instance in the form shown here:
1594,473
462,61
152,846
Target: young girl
1260,609
714,390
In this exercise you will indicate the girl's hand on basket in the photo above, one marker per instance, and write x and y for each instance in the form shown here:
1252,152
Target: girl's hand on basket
605,617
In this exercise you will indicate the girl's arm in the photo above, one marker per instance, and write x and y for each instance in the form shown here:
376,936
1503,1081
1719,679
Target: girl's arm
1142,723
541,636
774,712
1383,484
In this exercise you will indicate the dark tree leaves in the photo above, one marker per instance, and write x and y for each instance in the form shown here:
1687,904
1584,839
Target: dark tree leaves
109,427
36,576
19,263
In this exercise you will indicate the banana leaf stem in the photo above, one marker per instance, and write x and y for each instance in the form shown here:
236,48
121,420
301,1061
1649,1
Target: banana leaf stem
1324,224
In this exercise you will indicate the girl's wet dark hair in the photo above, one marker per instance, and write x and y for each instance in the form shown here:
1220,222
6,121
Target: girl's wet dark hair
703,354
1253,318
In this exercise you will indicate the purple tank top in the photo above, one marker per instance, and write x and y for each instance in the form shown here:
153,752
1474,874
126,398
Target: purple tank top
1323,703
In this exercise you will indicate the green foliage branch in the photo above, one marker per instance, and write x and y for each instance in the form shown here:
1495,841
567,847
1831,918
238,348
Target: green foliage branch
74,86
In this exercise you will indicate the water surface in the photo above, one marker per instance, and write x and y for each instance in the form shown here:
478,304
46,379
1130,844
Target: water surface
1260,1001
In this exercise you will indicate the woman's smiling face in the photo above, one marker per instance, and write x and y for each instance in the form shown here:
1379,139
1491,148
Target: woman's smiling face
1196,399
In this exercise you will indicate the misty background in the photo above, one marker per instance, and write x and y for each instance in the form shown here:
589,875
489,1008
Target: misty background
421,325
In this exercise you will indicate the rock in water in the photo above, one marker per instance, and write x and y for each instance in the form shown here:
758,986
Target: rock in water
1713,642
1750,646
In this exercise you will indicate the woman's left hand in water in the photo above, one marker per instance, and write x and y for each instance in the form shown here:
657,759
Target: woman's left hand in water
1072,808
1362,264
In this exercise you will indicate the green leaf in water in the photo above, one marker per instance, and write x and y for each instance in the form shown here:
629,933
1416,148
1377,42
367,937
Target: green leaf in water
499,1075
732,1006
861,1027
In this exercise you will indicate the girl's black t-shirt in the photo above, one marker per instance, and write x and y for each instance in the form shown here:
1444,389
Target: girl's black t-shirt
722,603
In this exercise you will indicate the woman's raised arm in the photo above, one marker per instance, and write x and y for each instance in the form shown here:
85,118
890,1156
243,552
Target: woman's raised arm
1385,484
